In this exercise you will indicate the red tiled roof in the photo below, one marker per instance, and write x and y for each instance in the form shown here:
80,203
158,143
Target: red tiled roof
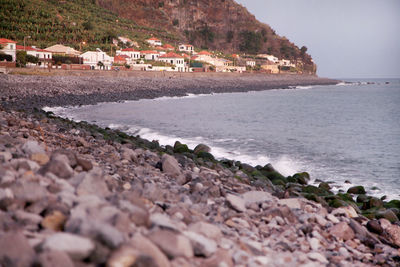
171,55
159,48
148,52
168,46
124,56
187,45
119,58
6,41
206,53
153,39
194,57
30,48
129,50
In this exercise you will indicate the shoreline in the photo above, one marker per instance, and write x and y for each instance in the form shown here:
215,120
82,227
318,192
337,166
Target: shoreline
119,196
28,92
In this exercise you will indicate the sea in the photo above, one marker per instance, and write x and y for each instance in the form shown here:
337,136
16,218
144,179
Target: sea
347,134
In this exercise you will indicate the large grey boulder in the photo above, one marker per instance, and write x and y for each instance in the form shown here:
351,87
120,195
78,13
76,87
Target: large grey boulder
77,247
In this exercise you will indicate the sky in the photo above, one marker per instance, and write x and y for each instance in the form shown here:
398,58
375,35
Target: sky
346,38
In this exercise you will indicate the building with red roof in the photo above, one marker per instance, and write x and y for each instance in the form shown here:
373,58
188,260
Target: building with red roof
175,59
130,52
120,59
149,55
186,48
168,47
8,47
45,57
154,41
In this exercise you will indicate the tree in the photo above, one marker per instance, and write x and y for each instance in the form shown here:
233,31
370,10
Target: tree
88,25
31,59
251,42
21,58
303,51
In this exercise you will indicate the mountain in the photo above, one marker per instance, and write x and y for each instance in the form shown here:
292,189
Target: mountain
217,25
222,25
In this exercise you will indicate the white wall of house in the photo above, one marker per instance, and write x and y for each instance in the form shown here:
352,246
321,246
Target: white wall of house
92,58
9,49
186,48
178,62
250,63
131,54
154,42
150,56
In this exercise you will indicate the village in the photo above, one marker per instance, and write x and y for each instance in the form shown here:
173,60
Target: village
158,56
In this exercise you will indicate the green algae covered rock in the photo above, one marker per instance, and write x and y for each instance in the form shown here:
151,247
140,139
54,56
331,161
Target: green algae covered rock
357,190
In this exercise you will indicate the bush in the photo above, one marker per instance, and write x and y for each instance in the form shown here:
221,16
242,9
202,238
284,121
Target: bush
175,22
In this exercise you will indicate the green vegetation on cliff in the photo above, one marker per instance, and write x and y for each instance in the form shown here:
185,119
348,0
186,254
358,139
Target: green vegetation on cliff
69,22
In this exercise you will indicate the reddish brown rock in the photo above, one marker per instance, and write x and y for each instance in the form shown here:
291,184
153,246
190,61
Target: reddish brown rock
342,231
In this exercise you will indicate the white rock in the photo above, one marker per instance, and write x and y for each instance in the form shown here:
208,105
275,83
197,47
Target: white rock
317,257
32,147
256,197
314,244
202,246
236,202
332,218
207,229
293,203
75,246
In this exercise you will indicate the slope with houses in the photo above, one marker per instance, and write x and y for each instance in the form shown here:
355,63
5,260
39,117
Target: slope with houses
157,57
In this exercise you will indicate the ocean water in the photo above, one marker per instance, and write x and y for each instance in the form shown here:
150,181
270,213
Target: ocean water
336,133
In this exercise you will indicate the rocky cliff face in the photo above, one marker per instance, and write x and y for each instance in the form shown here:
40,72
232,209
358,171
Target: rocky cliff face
222,25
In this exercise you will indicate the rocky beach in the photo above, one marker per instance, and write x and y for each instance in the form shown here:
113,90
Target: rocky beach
74,194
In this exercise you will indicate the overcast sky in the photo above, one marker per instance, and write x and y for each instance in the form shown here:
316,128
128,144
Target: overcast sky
346,38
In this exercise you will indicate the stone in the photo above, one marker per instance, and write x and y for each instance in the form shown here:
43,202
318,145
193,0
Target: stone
172,244
146,247
391,231
15,250
375,227
39,158
202,148
54,221
293,203
202,246
236,202
170,165
347,211
358,190
28,191
325,186
317,257
332,218
84,163
388,215
59,166
93,184
77,247
27,217
163,221
54,258
314,244
207,229
32,147
342,231
221,258
257,197
25,164
127,256
137,213
5,156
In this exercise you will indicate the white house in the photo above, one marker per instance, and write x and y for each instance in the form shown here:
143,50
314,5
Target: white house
269,57
154,41
63,50
8,47
175,59
130,52
97,59
251,63
44,56
186,48
149,55
286,63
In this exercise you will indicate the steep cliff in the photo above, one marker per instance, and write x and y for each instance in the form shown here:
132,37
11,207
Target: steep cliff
214,24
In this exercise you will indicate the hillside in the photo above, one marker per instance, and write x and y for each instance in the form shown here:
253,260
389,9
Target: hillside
69,22
216,25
